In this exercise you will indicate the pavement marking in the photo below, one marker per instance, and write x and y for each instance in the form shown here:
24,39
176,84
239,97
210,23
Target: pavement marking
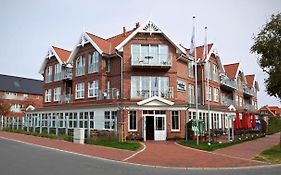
220,154
144,147
150,166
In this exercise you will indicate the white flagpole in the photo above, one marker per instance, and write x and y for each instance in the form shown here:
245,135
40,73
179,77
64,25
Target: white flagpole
196,88
208,86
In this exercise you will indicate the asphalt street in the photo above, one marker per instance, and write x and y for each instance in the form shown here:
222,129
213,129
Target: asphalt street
24,159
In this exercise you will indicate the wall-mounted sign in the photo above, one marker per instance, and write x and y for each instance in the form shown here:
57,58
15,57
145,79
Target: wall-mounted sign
181,86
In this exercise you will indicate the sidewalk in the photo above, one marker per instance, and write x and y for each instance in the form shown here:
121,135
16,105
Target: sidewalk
248,150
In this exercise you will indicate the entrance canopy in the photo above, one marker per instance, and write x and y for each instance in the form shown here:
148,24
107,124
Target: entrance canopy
155,101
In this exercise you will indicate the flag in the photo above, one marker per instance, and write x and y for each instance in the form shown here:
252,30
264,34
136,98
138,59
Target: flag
192,44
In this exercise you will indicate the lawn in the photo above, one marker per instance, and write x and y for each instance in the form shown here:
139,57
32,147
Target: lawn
272,155
216,145
128,145
274,125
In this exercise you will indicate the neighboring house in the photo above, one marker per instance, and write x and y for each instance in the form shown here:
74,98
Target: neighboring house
139,82
270,111
20,93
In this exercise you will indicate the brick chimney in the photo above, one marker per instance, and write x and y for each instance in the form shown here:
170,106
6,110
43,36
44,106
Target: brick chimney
137,25
124,31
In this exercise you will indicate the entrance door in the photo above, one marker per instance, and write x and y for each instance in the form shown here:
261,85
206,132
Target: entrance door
160,127
149,122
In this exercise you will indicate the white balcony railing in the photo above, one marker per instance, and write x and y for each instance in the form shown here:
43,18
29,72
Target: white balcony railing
148,60
80,71
167,93
250,106
48,78
228,102
67,73
249,91
229,83
109,94
58,76
92,68
66,98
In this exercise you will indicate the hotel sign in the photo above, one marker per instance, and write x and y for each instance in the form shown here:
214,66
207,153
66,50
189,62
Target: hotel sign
181,86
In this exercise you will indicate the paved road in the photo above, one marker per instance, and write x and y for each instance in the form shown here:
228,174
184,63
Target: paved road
19,158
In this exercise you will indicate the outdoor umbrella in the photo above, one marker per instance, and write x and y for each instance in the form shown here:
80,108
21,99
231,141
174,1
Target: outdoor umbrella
237,121
254,122
249,125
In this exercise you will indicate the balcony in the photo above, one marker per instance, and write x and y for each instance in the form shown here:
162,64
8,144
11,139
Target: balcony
92,68
167,93
66,98
109,94
48,78
228,83
161,60
228,102
249,92
67,74
80,71
250,106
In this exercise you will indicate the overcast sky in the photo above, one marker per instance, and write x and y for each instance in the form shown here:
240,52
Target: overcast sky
29,27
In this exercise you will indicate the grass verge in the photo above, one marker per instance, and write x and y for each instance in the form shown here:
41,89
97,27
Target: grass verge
216,145
272,155
128,145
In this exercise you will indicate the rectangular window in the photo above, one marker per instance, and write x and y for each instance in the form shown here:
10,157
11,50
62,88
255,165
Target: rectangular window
48,95
57,93
208,70
240,101
93,88
215,73
190,69
93,64
80,66
145,87
132,121
209,93
175,121
107,65
109,120
48,74
150,54
58,73
216,94
191,94
80,89
236,100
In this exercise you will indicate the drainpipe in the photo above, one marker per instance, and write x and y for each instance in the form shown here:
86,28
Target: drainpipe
122,139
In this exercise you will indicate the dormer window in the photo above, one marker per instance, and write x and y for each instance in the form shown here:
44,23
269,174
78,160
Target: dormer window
80,66
93,64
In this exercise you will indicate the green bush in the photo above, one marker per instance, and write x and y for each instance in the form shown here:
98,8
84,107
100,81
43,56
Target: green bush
274,125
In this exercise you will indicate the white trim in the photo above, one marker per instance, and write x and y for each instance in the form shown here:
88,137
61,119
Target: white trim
161,108
141,29
78,45
175,130
132,130
51,52
160,99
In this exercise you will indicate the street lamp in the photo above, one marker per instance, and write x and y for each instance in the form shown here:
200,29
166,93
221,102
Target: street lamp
231,108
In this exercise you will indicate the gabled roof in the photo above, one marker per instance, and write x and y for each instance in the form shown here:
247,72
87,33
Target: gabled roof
20,85
200,50
231,70
155,101
63,54
250,80
270,109
148,27
60,54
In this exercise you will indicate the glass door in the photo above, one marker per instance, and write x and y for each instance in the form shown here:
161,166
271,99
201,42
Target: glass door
160,127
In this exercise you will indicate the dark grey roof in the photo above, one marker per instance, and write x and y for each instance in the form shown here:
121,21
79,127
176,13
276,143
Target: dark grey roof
20,85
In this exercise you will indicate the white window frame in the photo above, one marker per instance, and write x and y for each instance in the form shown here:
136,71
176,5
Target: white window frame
215,73
80,88
57,93
58,71
93,62
48,73
48,95
112,120
129,121
209,93
216,94
190,70
175,130
80,63
94,87
191,96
